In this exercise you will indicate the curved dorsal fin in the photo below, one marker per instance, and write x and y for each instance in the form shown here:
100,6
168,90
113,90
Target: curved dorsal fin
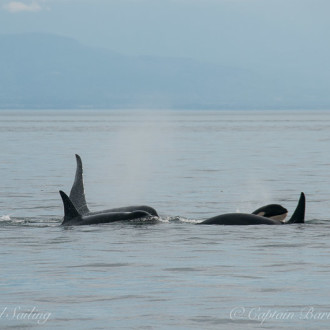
299,214
77,193
70,212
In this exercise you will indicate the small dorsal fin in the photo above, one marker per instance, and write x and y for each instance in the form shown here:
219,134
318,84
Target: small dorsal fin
77,193
299,214
70,212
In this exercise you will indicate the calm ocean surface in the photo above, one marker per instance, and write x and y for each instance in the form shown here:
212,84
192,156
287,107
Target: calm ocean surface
170,274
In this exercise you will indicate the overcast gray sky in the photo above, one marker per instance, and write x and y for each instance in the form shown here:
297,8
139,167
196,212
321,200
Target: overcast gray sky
230,32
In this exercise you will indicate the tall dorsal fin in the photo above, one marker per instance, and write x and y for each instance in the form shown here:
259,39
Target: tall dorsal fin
70,212
299,214
77,193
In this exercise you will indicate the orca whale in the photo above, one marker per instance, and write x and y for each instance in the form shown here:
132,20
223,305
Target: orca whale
73,218
77,196
253,219
272,211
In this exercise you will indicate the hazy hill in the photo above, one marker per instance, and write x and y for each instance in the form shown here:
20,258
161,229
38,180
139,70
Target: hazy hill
47,71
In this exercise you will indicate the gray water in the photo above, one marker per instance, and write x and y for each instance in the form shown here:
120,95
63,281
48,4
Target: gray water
171,273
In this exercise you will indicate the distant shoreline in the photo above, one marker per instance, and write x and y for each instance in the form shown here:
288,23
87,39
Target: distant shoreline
163,109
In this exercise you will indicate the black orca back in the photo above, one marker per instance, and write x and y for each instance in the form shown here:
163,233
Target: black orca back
272,211
240,219
78,198
251,219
